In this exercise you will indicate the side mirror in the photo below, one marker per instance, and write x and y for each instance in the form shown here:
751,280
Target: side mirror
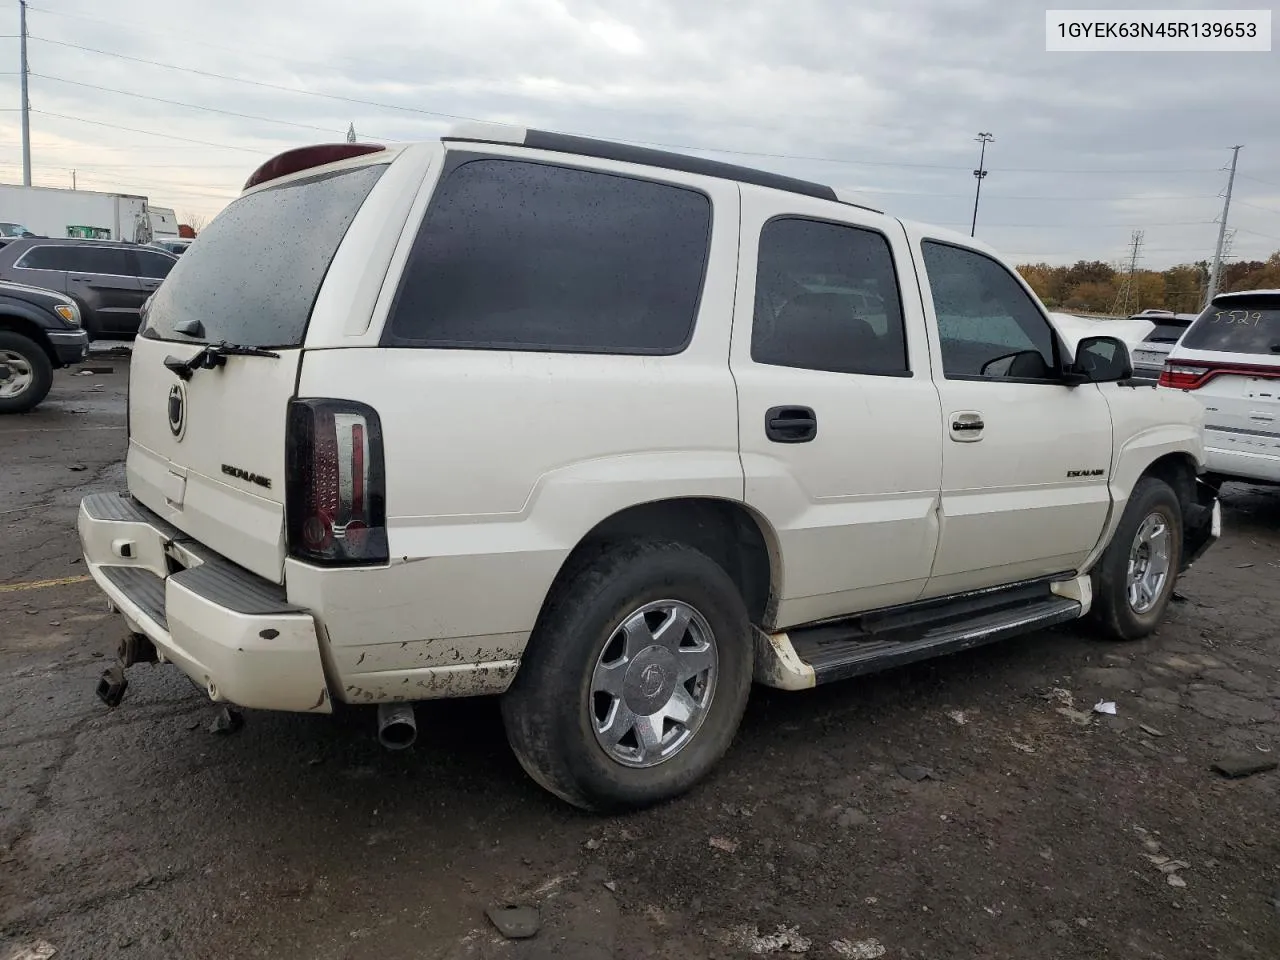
1100,360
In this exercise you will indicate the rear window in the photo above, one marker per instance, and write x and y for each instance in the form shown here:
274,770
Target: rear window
514,255
254,276
1240,325
1167,331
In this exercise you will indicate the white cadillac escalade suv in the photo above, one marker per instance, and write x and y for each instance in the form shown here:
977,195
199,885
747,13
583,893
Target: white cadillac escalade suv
611,433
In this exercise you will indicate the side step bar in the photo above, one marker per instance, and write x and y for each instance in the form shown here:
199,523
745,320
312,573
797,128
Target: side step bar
880,640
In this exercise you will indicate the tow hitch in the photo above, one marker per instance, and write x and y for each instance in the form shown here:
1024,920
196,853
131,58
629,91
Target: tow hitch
112,685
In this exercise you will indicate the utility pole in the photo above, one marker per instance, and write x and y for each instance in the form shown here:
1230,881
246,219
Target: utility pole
984,139
26,105
1128,293
73,179
1216,273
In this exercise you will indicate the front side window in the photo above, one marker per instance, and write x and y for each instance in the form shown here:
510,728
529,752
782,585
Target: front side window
827,299
514,255
153,265
988,326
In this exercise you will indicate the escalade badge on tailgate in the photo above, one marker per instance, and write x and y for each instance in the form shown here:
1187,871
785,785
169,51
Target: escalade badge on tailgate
177,410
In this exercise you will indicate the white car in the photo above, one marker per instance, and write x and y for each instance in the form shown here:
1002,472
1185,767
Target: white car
1132,330
613,432
1167,328
1230,360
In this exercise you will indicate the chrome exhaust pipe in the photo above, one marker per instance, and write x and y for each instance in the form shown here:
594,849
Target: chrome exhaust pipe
397,728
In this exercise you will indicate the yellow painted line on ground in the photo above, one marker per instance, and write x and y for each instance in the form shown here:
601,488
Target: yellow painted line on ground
41,584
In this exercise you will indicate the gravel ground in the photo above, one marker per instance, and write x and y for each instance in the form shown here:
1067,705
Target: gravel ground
973,807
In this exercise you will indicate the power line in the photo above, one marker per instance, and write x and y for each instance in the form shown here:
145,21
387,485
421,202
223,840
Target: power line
192,106
1082,226
670,146
150,133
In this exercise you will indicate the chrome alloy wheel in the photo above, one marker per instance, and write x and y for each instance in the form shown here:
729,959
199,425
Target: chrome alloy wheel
16,375
1149,561
653,684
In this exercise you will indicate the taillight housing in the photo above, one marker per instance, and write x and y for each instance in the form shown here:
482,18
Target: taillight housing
1183,376
335,484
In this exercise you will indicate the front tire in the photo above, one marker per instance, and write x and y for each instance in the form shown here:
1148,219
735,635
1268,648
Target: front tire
26,374
1133,582
635,680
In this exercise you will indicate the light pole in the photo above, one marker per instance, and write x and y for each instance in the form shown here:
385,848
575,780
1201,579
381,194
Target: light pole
984,139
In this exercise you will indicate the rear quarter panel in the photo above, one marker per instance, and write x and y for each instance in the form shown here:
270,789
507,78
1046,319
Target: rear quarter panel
498,463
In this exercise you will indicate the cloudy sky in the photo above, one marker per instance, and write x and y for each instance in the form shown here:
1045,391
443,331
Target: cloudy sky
180,101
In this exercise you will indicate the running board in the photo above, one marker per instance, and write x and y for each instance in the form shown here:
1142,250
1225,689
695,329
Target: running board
880,640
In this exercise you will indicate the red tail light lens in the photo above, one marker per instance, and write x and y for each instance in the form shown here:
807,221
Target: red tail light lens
335,489
1183,376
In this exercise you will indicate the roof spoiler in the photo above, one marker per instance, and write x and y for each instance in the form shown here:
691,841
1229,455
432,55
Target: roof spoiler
304,158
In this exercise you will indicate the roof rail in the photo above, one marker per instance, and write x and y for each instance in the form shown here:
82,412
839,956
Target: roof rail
646,156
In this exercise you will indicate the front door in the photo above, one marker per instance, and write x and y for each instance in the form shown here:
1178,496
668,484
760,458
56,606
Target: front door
1026,457
838,415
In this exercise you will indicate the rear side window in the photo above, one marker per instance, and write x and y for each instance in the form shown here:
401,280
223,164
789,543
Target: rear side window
1240,325
46,258
515,255
109,261
254,276
827,299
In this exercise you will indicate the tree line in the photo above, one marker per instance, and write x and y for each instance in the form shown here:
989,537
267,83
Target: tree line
1091,286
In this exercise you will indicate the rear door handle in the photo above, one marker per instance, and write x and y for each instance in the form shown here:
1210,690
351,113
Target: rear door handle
790,424
967,426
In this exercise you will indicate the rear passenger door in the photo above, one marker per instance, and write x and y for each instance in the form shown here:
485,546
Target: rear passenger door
839,418
105,280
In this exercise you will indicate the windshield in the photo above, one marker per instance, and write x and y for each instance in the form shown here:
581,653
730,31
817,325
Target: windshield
13,230
1238,325
254,276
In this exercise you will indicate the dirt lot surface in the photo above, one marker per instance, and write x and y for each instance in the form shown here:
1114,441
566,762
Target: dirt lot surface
973,807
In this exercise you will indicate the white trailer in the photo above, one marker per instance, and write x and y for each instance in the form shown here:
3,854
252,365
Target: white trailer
54,212
164,222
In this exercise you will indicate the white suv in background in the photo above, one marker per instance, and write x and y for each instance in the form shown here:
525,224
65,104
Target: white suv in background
1230,360
1150,354
613,432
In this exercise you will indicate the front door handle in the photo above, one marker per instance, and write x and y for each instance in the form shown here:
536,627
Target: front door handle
967,426
790,424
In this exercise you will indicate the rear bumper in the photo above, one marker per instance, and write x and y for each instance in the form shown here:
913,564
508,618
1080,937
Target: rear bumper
231,632
1238,456
69,346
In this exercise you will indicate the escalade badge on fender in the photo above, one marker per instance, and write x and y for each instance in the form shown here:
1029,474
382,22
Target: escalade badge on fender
177,410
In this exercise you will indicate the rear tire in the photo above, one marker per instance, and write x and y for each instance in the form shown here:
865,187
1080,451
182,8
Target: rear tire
1133,582
29,374
635,680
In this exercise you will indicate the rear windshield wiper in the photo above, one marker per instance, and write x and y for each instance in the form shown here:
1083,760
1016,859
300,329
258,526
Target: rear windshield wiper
214,355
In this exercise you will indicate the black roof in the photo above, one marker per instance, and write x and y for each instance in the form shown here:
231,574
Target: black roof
669,160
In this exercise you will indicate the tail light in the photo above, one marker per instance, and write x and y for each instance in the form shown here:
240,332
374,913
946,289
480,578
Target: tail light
1183,376
335,487
1193,374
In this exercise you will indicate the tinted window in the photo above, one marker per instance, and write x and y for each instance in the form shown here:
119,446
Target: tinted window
254,276
105,260
827,299
154,265
987,324
1239,325
46,258
1167,331
525,256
